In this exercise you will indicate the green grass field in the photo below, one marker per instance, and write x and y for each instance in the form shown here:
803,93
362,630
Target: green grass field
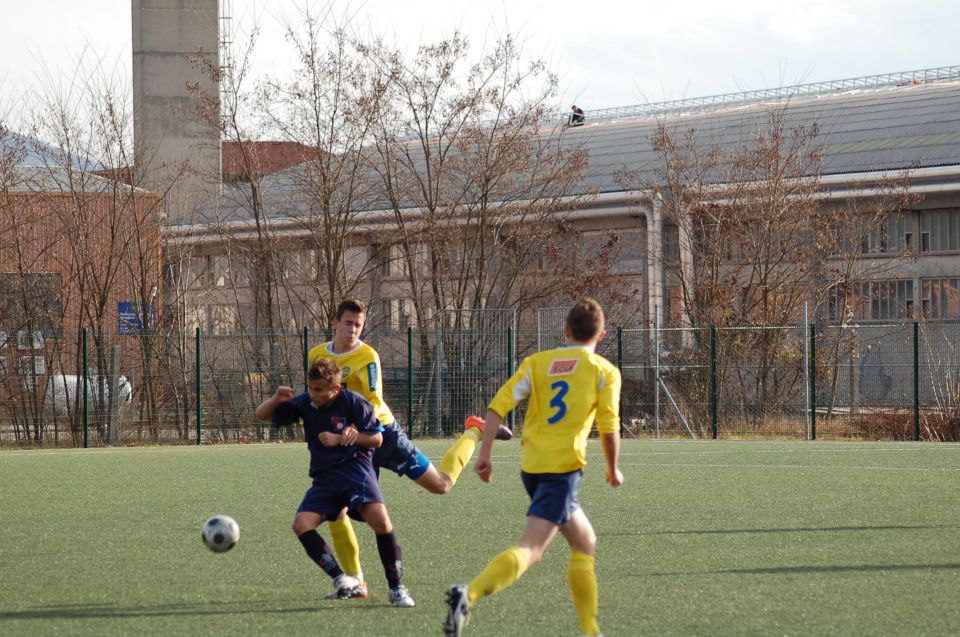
704,538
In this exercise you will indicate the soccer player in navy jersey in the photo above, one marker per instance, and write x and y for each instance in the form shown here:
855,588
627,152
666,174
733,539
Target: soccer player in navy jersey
341,432
567,389
362,374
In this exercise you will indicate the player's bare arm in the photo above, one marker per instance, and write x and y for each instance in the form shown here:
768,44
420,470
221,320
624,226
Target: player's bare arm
611,453
265,409
369,440
348,436
484,464
330,439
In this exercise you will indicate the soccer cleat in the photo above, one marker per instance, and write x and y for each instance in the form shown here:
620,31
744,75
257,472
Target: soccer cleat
400,597
503,432
348,587
458,611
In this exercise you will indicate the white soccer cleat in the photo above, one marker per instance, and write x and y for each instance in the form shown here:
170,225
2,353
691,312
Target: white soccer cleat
458,611
400,597
360,592
347,587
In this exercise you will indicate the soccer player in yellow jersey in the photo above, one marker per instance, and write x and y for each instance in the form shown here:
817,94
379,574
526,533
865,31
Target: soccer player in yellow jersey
361,374
567,389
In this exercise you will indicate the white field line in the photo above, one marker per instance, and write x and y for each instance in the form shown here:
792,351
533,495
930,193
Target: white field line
834,467
595,462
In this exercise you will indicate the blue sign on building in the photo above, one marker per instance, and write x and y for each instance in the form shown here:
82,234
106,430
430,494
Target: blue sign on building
131,317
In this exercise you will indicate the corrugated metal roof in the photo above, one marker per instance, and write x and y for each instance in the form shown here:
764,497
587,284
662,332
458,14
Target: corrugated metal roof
57,179
890,129
860,131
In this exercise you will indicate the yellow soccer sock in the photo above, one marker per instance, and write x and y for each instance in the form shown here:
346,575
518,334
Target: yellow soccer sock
458,455
582,578
502,571
346,547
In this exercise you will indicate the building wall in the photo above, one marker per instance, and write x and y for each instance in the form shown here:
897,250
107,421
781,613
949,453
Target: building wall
66,259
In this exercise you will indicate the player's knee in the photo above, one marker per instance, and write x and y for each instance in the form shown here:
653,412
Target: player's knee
534,555
586,545
377,518
441,484
435,482
299,527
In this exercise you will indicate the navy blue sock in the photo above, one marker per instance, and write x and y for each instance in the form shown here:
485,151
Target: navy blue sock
320,553
390,557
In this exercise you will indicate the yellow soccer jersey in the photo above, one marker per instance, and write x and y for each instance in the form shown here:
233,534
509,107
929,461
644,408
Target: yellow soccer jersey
361,374
567,389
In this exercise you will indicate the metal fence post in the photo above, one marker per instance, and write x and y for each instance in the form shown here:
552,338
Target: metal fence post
510,371
713,381
86,406
410,381
199,396
306,355
620,368
916,380
813,382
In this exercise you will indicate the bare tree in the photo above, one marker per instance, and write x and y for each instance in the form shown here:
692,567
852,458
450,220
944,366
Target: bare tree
477,177
756,241
327,107
103,234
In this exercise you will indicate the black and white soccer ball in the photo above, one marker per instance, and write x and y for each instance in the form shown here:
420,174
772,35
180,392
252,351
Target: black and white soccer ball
220,533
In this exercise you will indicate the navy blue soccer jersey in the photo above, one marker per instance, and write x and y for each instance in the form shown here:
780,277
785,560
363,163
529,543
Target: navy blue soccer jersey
347,408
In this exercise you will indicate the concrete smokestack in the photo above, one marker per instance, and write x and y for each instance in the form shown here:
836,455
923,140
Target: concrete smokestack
176,101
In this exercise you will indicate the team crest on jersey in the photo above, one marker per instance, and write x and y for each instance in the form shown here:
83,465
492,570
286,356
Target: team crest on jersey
345,373
338,423
563,367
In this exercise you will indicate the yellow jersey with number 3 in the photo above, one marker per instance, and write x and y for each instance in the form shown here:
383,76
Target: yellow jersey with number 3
567,389
361,374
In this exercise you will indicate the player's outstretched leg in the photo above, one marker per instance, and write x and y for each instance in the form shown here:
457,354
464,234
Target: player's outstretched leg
458,455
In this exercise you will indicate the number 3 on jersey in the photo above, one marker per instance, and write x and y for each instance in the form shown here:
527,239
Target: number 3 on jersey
560,388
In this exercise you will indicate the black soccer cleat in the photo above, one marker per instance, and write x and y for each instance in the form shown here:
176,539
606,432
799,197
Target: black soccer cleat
503,432
458,611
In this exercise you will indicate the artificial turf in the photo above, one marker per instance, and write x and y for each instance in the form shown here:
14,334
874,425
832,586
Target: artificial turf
704,538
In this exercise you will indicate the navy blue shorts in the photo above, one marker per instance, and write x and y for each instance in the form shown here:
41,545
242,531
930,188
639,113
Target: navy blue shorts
399,455
553,496
349,485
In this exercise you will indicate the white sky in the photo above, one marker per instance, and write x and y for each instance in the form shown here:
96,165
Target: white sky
606,52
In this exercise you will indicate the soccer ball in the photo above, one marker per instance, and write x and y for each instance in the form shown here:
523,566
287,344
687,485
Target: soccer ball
220,533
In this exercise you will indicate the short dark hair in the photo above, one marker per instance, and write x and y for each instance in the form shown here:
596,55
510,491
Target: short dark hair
325,369
585,320
350,305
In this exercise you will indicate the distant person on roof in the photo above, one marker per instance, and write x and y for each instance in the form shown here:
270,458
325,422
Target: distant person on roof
576,117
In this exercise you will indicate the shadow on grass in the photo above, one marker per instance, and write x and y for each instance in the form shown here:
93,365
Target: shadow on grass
805,570
850,568
815,529
100,611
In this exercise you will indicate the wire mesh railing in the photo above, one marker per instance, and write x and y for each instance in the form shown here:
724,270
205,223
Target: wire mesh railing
695,104
870,381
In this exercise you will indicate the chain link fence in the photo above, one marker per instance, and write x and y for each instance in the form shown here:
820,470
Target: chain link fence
869,381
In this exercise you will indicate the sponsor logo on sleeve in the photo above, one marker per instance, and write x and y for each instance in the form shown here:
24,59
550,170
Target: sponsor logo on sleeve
563,367
372,376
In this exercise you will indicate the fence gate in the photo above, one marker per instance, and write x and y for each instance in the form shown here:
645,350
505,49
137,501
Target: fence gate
462,362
